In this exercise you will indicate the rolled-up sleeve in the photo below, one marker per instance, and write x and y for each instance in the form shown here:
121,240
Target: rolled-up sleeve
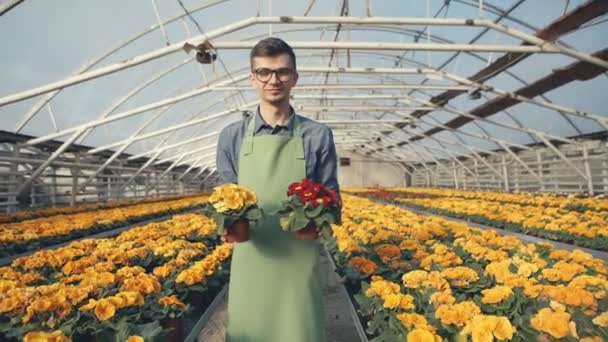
327,167
224,159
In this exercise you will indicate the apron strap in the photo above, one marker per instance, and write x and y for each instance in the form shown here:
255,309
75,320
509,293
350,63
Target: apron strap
297,135
247,144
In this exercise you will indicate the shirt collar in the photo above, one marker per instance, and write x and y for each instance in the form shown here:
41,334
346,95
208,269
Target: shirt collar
260,123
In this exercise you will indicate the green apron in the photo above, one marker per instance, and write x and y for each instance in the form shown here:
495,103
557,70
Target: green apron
275,284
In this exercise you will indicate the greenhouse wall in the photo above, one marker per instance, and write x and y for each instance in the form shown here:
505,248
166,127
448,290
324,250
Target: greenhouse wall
363,171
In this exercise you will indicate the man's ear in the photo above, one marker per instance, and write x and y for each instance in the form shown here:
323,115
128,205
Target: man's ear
252,79
295,79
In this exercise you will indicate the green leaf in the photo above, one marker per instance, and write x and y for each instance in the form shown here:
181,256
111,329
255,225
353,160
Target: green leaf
314,212
300,221
254,214
286,222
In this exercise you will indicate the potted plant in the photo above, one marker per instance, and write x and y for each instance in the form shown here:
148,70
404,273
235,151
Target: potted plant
309,205
233,207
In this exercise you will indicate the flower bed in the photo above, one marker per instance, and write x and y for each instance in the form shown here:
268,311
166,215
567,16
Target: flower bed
420,278
588,228
110,289
30,235
578,202
65,210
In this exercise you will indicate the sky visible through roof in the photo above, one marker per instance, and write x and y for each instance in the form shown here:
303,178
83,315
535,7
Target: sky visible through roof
48,41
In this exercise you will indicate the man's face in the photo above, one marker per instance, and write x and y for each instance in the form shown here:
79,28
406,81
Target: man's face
273,87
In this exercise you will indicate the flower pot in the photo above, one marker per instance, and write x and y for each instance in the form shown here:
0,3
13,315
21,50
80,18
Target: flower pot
177,326
239,231
307,233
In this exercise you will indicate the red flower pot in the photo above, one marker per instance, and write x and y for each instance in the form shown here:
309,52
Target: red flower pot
239,231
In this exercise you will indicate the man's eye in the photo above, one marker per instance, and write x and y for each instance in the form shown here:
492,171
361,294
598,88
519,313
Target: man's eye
263,72
284,71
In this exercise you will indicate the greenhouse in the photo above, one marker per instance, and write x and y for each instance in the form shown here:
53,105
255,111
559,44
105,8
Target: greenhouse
304,171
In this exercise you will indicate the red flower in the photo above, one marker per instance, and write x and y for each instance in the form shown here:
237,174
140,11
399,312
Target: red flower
334,197
326,201
306,196
294,188
306,183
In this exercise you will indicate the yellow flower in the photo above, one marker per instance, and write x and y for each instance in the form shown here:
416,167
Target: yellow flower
104,310
486,327
231,197
89,306
555,323
439,298
592,339
496,294
414,279
601,320
388,252
135,338
131,298
42,305
40,336
392,301
422,335
171,300
460,276
362,264
410,320
457,314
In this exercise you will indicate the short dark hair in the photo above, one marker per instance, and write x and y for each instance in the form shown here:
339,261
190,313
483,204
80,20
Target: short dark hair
271,47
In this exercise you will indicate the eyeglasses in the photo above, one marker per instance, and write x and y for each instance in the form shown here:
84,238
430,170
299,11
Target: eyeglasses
265,74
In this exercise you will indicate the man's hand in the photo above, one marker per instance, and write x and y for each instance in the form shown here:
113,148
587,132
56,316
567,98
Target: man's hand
308,233
235,232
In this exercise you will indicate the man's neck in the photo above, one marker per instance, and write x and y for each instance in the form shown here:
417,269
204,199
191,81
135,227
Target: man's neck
275,114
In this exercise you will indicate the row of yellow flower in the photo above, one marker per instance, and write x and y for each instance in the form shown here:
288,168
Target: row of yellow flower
571,201
142,276
20,236
73,209
588,228
423,278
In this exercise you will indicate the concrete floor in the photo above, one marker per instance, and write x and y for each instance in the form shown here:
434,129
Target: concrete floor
339,322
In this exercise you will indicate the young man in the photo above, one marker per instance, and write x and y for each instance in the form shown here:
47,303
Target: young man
275,291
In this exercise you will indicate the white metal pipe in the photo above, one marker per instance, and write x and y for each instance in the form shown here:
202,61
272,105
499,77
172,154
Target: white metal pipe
335,108
318,45
119,151
128,113
191,160
543,47
175,127
82,132
347,97
49,96
296,90
366,122
185,154
85,76
172,146
598,118
493,122
548,45
160,22
140,170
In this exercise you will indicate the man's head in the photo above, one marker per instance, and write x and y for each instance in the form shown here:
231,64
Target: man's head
273,70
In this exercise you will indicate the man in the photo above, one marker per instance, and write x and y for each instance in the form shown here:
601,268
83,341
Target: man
275,291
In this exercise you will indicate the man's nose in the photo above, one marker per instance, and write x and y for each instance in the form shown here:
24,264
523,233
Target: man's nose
274,78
